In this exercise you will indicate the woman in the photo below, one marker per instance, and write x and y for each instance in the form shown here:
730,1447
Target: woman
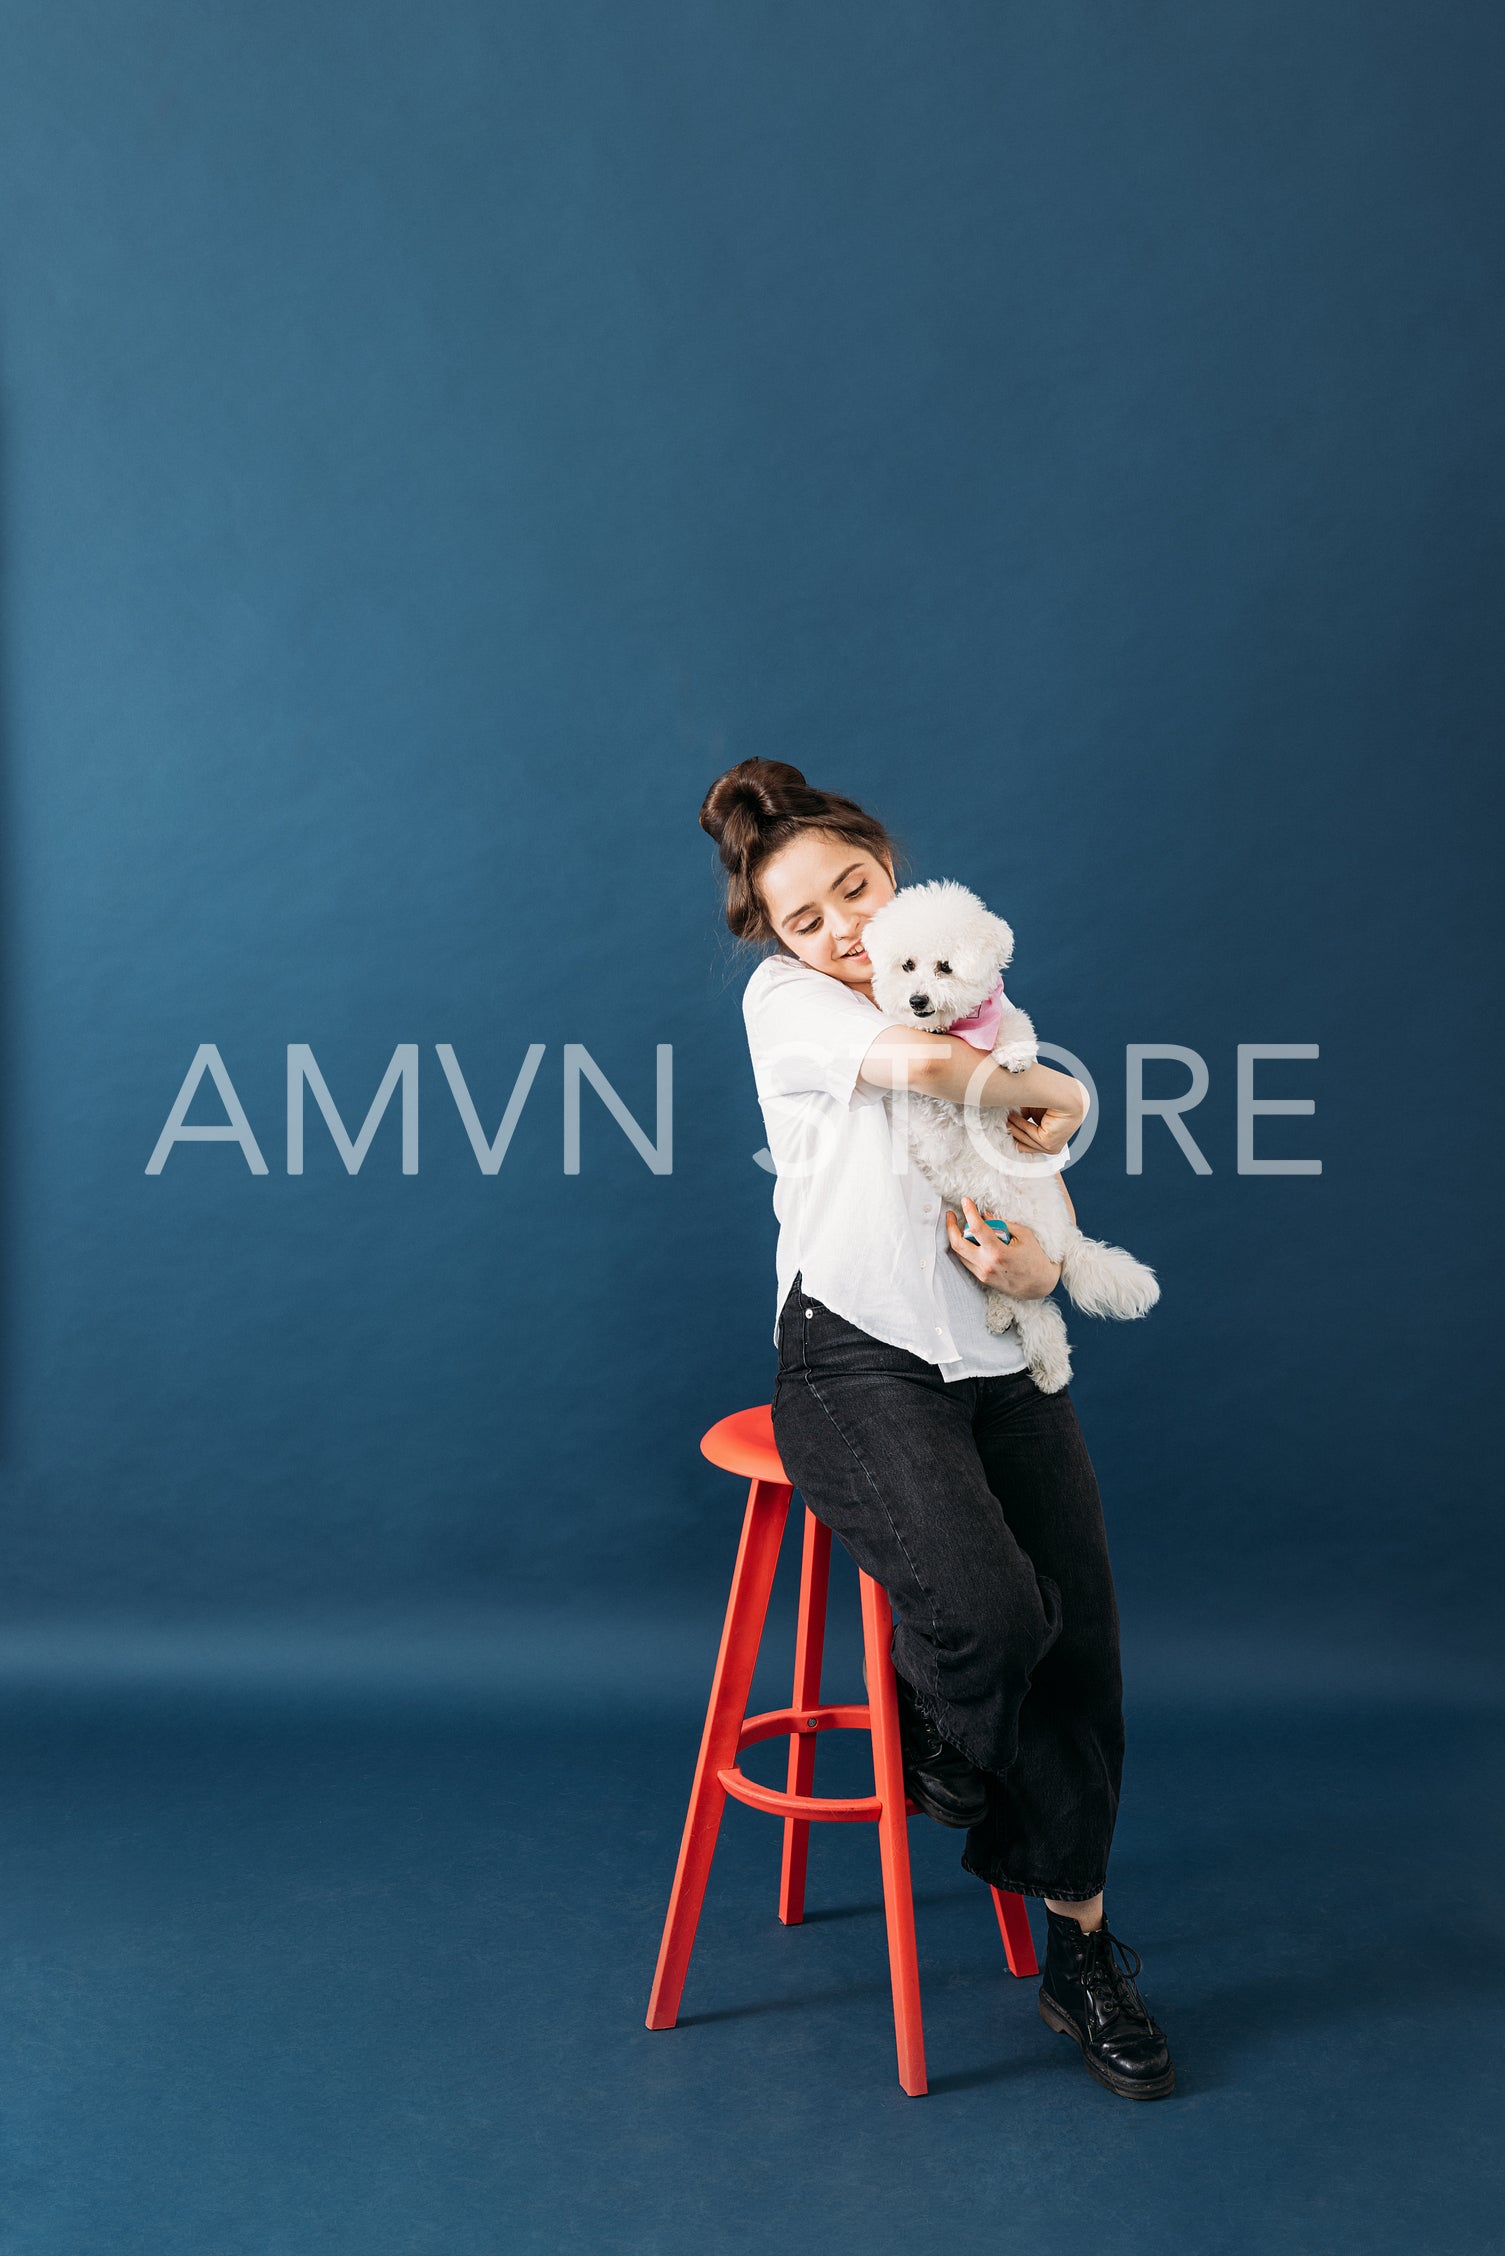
918,1436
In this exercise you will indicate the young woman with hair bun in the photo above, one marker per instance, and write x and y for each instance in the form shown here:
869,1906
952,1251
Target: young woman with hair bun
917,1435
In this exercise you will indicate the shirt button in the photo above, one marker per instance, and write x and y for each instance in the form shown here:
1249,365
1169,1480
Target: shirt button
809,1311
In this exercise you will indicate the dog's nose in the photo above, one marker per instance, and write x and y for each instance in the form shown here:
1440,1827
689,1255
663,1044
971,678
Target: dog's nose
921,1004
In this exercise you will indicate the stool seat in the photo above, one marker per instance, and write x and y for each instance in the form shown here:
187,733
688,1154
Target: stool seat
744,1443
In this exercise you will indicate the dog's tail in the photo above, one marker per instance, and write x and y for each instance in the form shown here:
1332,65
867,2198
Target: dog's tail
1103,1280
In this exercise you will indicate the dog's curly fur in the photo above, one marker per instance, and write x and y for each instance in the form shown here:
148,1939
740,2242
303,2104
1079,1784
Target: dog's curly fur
937,952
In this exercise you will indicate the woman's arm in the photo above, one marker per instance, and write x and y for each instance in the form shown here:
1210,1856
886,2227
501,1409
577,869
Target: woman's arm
943,1065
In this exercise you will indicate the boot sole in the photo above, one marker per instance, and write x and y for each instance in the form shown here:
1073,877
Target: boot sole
1124,2087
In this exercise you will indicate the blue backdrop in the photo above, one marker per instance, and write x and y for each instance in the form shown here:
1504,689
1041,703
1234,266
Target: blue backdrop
434,445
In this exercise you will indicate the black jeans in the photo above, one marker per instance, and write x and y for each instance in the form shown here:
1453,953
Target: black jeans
974,1504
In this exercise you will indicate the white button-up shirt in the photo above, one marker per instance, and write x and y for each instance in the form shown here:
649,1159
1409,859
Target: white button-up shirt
857,1219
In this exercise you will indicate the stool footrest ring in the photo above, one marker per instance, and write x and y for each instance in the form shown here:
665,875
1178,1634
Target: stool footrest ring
777,1723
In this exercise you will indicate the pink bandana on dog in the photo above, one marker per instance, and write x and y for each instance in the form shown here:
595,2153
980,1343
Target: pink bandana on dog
980,1028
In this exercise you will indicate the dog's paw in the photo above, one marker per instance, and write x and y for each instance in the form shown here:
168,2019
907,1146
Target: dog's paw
1050,1365
998,1315
1104,1280
1015,1057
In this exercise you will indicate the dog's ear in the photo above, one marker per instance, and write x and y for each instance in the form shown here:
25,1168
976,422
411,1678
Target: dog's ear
1001,941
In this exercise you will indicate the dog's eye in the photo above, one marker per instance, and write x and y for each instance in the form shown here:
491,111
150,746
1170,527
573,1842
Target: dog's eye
943,967
908,964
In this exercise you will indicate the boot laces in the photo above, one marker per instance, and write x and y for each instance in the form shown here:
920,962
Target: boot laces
1103,1968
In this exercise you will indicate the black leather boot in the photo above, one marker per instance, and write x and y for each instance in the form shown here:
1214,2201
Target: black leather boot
937,1776
1086,1994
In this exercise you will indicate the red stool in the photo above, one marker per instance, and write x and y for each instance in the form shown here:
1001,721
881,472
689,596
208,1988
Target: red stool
744,1443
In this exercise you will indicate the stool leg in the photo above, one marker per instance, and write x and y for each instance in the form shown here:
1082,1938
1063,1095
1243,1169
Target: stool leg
809,1649
1013,1925
752,1580
893,1837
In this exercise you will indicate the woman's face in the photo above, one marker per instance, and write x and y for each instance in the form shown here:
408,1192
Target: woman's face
819,892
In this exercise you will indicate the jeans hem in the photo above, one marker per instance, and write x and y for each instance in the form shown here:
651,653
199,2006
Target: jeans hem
1014,1887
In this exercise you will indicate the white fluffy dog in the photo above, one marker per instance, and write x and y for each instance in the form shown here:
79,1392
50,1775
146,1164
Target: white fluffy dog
938,955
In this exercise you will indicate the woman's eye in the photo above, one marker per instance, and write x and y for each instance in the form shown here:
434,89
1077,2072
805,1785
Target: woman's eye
861,888
908,964
944,967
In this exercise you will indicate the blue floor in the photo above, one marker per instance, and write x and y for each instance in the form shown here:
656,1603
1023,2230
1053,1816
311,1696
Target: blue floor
286,1979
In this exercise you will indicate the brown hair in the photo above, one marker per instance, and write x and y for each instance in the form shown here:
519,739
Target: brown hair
759,806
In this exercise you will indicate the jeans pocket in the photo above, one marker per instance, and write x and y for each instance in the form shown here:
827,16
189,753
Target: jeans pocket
789,1315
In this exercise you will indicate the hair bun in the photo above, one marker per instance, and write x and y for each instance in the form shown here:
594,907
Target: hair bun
749,796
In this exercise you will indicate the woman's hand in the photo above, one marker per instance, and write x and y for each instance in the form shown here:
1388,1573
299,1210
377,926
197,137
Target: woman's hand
1042,1128
1019,1267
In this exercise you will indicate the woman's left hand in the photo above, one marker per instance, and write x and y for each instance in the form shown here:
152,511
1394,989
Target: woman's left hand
1035,1130
1018,1266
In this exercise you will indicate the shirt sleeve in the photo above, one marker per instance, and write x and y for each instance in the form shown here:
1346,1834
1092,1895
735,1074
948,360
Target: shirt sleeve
811,1036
